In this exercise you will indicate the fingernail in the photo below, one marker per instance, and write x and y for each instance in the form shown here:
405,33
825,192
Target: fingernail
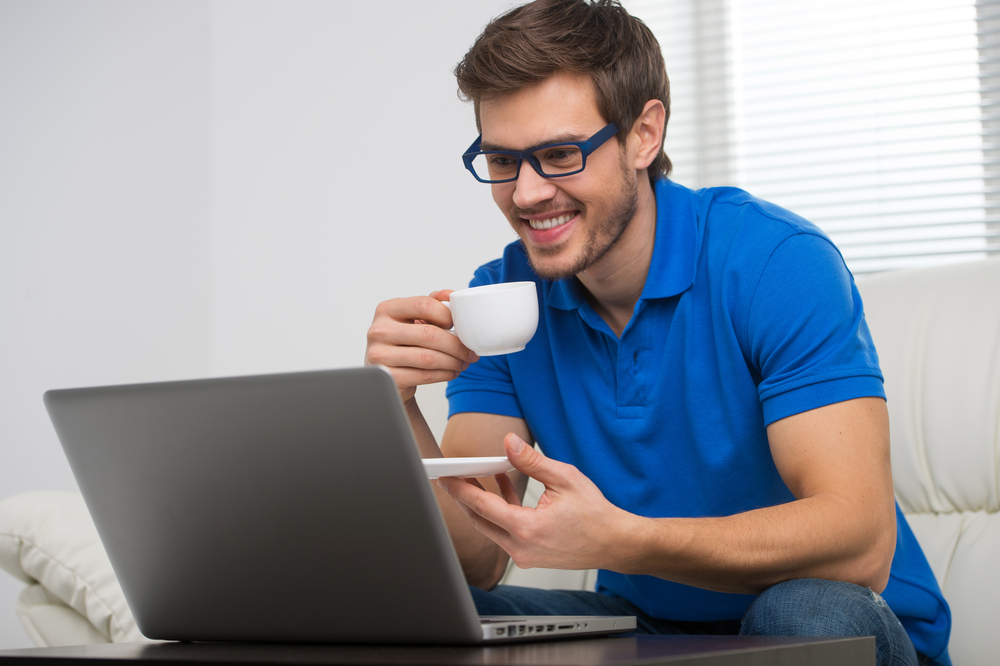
441,485
516,444
473,356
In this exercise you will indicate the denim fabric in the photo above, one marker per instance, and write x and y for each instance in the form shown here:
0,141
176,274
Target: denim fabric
803,607
810,607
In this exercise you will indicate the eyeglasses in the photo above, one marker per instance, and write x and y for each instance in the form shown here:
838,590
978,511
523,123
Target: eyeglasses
552,160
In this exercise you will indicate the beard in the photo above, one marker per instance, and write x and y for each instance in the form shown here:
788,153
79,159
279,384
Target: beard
601,237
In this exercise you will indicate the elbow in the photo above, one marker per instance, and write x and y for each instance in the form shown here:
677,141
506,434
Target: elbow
487,576
875,563
883,565
485,583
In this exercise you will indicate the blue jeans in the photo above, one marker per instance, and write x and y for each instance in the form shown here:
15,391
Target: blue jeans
802,607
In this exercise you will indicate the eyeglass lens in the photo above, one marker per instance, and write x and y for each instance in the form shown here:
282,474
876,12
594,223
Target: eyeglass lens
553,161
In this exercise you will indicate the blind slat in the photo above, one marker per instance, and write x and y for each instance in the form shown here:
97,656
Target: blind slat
878,121
979,238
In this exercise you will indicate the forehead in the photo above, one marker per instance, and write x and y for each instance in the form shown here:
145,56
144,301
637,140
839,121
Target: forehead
563,107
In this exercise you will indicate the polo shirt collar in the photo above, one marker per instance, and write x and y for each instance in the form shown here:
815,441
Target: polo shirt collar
674,262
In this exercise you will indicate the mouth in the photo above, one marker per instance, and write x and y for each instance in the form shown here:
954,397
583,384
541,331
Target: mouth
550,222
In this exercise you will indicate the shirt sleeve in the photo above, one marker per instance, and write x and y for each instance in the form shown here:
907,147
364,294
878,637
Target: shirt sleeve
805,331
486,387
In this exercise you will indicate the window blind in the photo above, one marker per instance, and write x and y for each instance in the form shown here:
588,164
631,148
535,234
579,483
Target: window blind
879,120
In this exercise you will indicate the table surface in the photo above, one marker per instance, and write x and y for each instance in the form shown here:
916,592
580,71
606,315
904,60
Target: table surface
621,651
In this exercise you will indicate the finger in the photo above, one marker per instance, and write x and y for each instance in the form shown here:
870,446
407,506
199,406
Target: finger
417,335
475,483
490,529
416,307
388,338
398,355
524,458
507,490
440,294
411,377
483,503
493,532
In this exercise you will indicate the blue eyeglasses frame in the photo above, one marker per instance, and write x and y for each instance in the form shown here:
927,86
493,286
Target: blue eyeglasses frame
586,148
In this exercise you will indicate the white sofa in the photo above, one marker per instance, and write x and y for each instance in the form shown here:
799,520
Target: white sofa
937,331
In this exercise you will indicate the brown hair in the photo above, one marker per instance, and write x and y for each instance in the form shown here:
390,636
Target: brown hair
532,42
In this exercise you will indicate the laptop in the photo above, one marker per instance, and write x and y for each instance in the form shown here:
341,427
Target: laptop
289,507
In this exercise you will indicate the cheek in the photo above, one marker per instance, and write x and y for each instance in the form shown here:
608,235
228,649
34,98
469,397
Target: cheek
503,196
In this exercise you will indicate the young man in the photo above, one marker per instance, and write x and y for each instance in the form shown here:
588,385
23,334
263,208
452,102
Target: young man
702,384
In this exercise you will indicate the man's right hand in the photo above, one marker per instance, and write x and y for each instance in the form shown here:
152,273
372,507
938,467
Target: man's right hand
410,337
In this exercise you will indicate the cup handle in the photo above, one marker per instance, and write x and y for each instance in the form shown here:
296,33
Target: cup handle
451,330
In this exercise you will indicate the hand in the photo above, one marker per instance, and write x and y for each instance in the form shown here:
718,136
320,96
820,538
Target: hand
410,336
573,527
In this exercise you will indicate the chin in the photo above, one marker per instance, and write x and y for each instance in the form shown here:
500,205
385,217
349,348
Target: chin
550,267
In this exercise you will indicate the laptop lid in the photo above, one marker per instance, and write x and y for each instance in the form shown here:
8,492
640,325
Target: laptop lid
290,507
285,507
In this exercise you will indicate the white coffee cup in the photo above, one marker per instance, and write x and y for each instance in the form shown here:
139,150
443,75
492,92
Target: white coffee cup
495,318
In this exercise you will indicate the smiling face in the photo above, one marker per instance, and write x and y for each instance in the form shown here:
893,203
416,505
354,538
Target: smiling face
567,224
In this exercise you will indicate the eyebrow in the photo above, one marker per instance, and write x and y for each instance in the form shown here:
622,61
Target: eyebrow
566,137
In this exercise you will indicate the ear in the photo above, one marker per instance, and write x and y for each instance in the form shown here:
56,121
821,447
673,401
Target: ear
646,137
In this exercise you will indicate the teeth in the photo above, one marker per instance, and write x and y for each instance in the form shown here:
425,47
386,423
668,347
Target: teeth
551,222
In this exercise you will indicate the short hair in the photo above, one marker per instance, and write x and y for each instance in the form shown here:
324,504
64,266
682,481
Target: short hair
532,42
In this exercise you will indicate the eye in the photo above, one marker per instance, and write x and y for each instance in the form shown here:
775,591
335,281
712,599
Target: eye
560,154
502,162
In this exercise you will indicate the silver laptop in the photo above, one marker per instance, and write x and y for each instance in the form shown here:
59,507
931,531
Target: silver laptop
290,507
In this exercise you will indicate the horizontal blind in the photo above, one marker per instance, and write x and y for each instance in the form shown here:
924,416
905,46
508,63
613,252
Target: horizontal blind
877,120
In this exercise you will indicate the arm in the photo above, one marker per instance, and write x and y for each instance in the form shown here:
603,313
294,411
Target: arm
410,337
474,434
841,526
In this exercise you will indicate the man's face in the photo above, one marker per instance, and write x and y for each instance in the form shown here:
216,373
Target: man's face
566,224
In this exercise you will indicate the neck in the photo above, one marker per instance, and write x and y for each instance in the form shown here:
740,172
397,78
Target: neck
615,282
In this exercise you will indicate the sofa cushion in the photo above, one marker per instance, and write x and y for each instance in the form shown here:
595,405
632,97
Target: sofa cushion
51,623
49,538
937,331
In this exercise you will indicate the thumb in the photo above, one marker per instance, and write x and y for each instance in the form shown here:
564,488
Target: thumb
532,463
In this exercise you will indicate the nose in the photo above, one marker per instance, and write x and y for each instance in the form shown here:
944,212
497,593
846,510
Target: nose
531,188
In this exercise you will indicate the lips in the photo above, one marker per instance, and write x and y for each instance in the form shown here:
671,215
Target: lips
551,222
550,229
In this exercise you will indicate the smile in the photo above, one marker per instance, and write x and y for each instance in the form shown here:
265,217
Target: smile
551,222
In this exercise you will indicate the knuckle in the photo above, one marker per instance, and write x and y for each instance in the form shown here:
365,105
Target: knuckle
427,334
425,358
423,306
478,506
426,377
375,332
523,533
381,310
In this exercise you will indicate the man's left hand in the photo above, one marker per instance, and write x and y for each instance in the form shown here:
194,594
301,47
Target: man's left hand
573,526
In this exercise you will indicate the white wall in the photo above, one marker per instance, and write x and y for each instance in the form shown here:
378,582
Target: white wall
337,177
209,188
104,216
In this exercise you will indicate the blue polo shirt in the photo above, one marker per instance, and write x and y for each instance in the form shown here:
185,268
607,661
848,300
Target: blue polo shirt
748,315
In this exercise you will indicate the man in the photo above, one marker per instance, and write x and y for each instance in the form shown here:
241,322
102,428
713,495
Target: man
702,385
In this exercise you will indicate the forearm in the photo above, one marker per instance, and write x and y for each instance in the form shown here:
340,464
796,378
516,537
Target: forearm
483,562
816,537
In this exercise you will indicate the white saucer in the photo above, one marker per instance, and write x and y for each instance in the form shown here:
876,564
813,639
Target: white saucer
466,468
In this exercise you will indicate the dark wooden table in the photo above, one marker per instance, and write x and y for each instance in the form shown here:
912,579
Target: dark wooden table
617,651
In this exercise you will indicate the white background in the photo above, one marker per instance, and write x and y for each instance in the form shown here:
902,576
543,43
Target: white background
191,189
